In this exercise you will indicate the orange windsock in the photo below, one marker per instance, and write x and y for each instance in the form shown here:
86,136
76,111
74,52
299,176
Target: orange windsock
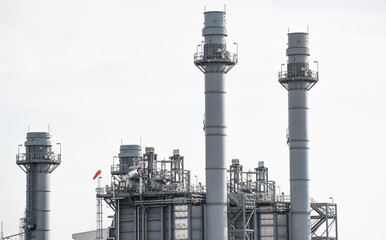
97,174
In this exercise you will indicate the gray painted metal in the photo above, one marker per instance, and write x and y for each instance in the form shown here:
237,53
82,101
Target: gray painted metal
215,61
298,80
324,221
174,211
155,222
89,235
38,162
152,198
127,153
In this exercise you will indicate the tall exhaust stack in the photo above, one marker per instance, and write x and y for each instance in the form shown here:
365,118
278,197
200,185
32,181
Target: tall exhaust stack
298,80
215,61
37,162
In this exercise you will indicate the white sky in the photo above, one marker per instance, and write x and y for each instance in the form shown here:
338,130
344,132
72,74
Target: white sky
101,71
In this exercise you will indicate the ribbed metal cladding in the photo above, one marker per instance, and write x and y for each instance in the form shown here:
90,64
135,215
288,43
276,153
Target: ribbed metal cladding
298,80
215,61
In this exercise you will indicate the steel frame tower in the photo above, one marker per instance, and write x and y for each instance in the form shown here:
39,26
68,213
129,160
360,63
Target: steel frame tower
99,205
235,175
38,162
298,80
215,61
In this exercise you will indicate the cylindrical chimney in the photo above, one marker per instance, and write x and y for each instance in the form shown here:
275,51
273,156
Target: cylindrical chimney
38,162
215,61
298,80
128,153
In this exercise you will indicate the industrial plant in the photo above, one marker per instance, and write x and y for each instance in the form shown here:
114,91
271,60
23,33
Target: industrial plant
155,199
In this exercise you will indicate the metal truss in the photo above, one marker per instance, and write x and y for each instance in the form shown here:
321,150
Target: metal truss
241,216
324,221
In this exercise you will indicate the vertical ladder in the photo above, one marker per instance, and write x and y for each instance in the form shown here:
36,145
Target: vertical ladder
99,232
29,218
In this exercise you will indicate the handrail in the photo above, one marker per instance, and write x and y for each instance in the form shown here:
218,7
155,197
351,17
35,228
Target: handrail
223,56
308,73
23,158
120,168
14,235
283,198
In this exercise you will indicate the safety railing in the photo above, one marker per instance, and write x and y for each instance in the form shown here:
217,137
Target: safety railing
119,169
283,198
23,158
298,74
198,188
223,56
124,187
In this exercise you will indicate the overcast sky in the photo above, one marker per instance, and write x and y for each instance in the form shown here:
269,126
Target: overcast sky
102,72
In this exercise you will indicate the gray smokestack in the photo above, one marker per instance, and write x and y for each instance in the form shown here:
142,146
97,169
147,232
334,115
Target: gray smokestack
38,162
298,80
215,61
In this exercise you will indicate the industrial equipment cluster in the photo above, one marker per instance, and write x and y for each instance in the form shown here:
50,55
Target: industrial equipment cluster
155,199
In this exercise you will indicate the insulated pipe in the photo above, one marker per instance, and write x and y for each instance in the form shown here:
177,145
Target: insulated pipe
298,80
215,62
38,162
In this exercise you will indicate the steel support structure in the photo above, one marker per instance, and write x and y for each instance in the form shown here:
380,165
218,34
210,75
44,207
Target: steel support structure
99,205
241,216
324,221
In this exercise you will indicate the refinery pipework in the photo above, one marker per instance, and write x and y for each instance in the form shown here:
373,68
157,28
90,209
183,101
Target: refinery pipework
37,162
298,80
215,61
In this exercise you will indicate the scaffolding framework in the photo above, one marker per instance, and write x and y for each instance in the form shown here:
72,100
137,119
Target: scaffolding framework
324,221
